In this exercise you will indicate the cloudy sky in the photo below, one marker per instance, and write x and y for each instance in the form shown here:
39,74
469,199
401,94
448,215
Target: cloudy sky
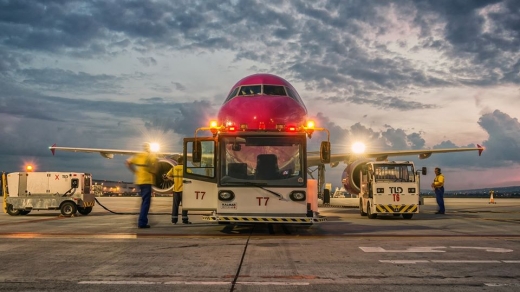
396,74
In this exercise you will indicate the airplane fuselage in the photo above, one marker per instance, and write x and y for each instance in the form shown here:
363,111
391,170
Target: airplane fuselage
262,101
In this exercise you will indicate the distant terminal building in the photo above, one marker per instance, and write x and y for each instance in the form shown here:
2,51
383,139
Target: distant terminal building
114,188
110,188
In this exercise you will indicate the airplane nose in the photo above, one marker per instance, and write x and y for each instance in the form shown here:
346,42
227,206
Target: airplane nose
262,112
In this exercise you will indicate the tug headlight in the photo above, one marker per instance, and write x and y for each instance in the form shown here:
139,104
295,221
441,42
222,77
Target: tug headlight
411,190
297,196
226,195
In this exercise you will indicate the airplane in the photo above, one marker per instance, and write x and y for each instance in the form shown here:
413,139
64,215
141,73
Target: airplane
264,102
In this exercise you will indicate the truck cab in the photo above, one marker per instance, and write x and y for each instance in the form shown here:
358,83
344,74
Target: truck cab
390,187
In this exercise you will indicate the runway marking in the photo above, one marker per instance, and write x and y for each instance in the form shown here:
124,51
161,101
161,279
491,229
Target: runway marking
449,262
501,284
430,249
410,249
488,249
209,283
404,261
35,235
467,261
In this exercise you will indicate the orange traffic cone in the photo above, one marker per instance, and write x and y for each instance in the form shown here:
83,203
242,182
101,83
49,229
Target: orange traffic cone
491,198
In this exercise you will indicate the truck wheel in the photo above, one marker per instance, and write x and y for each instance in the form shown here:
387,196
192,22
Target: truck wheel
11,211
25,212
361,208
84,210
369,213
407,216
68,209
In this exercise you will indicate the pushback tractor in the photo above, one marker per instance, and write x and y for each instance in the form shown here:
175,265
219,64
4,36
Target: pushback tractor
69,192
390,188
255,176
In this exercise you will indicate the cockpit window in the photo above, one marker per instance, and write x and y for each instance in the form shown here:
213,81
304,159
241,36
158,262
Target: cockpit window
232,94
250,90
274,90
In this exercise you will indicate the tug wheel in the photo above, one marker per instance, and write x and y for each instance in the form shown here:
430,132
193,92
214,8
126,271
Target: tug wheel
11,211
407,216
84,210
369,213
68,209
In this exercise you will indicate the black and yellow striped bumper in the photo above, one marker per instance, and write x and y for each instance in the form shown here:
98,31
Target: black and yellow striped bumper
89,204
264,219
397,208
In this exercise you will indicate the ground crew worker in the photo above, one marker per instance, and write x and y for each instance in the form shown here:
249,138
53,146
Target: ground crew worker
438,186
144,167
175,174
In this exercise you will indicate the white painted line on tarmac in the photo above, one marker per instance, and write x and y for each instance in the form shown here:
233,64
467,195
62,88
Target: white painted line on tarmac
431,249
488,249
500,284
410,249
450,261
211,283
34,235
467,261
119,282
196,283
404,261
275,283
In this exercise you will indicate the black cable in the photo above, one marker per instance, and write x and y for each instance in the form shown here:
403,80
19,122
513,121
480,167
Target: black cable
120,213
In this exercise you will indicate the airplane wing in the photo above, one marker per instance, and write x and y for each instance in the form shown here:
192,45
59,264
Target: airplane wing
313,158
109,153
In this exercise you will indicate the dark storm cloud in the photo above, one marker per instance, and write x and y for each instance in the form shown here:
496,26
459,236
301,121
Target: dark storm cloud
387,102
179,86
488,39
501,149
323,44
69,81
150,61
503,144
65,120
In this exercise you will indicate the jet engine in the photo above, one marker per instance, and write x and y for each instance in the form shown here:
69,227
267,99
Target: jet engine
163,186
351,176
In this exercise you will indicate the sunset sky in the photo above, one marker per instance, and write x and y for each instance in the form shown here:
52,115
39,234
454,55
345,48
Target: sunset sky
394,74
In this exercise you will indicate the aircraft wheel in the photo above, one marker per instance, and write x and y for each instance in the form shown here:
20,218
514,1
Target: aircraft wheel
407,216
11,211
84,210
361,208
369,213
68,209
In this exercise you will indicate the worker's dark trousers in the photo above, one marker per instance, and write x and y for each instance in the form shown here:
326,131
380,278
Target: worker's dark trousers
439,195
146,196
177,200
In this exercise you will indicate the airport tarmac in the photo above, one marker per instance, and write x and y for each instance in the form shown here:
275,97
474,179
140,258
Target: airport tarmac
474,247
